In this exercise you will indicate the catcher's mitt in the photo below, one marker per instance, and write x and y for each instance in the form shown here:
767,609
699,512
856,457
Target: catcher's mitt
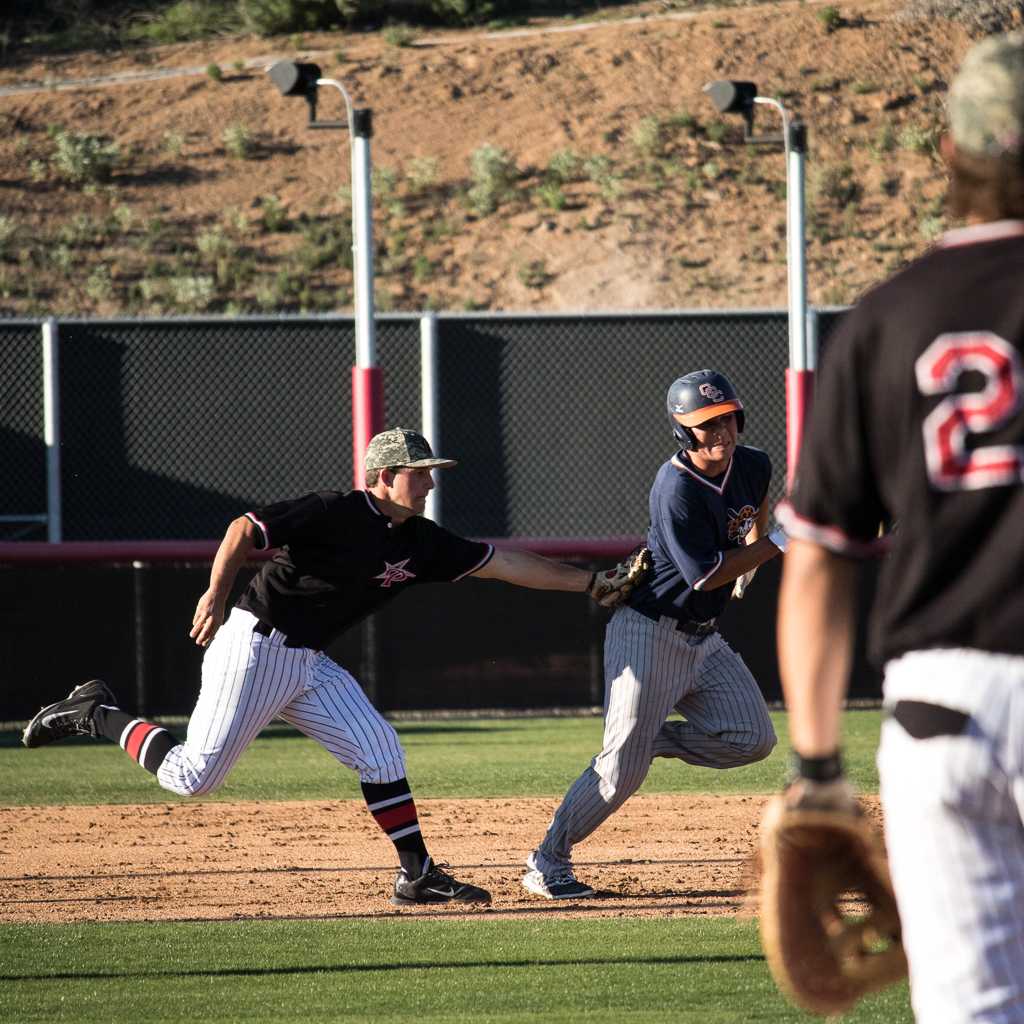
612,586
816,846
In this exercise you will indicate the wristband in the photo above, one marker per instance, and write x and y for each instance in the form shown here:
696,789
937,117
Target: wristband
778,538
818,769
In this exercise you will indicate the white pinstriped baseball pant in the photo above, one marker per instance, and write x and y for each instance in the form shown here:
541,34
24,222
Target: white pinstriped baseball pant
649,669
954,825
250,679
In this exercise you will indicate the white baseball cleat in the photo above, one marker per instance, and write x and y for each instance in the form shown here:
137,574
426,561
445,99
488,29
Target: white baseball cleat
553,881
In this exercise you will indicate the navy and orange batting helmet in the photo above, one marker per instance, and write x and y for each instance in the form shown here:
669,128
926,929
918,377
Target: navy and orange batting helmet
698,397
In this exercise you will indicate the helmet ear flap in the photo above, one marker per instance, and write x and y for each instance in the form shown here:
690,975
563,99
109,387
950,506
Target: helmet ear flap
740,420
684,437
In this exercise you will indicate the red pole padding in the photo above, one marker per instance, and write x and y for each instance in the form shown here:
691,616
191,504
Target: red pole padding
799,386
367,415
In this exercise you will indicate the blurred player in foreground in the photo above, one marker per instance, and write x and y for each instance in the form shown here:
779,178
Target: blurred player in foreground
918,420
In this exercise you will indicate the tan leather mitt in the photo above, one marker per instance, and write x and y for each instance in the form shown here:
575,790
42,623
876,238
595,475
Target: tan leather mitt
611,587
816,848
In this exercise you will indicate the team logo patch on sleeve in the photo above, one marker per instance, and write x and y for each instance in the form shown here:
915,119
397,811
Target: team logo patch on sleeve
741,522
396,573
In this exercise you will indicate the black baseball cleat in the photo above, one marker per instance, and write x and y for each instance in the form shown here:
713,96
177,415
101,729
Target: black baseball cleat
69,717
435,886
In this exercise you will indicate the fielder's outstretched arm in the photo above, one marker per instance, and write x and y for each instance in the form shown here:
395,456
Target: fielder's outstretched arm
525,569
815,640
239,541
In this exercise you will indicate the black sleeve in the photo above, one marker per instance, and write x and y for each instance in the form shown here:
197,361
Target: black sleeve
448,557
836,500
286,521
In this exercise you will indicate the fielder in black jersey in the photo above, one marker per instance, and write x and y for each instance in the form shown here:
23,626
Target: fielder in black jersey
339,558
918,420
662,650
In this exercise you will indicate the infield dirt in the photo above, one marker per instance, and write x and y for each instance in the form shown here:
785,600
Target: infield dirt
665,855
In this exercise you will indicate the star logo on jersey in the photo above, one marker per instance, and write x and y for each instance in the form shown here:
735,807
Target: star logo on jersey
396,573
741,522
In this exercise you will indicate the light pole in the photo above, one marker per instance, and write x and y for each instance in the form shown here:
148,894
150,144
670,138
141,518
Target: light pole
294,79
732,97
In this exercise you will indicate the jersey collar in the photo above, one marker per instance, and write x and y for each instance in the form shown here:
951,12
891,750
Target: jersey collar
993,231
369,501
682,463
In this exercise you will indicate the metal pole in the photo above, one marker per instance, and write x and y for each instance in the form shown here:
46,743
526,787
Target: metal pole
796,148
362,242
51,429
431,419
367,381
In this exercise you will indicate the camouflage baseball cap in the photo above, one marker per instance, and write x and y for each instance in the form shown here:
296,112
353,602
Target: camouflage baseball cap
986,99
401,447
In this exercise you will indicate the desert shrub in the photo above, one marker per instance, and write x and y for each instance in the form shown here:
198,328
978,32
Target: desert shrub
599,170
99,286
493,172
273,215
279,17
8,233
646,136
82,159
397,34
238,141
180,22
917,139
835,185
830,18
564,166
422,173
464,12
551,195
980,17
534,274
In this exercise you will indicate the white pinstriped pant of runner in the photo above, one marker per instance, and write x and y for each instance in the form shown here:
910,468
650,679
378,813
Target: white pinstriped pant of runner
954,823
248,680
649,669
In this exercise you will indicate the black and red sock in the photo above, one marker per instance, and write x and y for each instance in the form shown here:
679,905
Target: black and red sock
394,809
142,741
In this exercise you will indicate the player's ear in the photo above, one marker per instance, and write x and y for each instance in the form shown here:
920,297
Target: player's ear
387,476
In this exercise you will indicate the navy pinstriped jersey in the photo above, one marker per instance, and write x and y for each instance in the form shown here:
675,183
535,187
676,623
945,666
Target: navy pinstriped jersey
918,419
340,559
695,519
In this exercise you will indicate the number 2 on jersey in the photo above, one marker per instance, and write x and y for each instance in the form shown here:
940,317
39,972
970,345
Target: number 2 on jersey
952,466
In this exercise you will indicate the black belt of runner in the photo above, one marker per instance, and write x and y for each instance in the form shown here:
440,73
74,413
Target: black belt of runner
925,721
691,627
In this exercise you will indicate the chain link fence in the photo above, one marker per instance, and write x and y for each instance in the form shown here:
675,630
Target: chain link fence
170,428
23,496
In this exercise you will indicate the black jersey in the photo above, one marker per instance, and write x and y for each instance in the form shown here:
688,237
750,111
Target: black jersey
695,519
340,559
918,421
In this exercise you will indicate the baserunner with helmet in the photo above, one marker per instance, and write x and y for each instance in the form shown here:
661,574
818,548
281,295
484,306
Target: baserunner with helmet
662,652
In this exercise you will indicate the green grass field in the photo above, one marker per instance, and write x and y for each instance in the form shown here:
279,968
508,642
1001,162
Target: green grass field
470,758
706,970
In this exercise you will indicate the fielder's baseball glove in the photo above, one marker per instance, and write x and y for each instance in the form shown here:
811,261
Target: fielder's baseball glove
612,586
817,846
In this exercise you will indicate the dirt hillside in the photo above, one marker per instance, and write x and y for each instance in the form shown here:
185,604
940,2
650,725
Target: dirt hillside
628,191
